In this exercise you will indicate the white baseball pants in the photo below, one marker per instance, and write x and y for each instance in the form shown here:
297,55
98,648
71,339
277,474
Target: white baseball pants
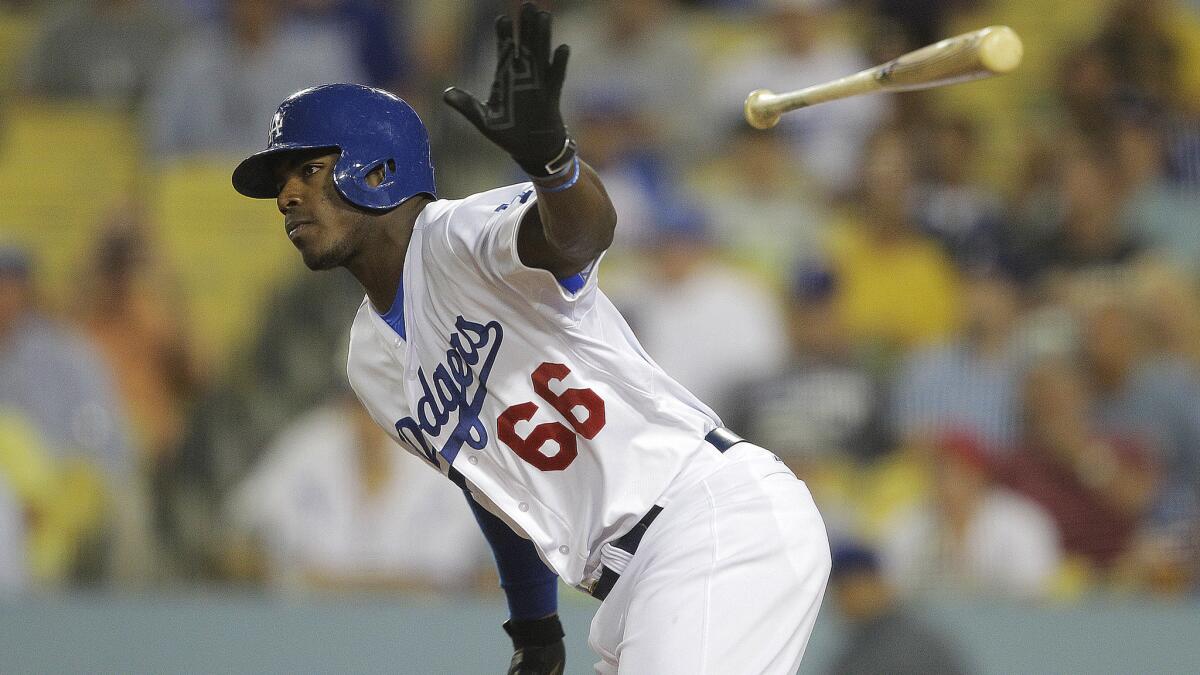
727,580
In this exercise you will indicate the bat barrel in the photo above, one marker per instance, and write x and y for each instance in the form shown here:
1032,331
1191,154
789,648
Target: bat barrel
994,50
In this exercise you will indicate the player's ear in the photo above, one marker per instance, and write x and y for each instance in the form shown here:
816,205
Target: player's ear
375,178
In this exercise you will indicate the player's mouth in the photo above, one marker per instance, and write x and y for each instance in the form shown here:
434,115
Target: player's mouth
295,228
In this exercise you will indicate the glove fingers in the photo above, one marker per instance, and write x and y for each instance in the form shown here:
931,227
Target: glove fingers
467,105
504,36
558,69
541,47
527,27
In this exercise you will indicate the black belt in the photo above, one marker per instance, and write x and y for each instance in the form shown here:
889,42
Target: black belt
720,438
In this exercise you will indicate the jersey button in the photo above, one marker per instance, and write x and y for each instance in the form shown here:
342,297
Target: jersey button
523,506
564,549
473,459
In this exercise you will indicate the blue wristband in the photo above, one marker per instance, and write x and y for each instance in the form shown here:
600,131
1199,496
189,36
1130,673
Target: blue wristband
564,186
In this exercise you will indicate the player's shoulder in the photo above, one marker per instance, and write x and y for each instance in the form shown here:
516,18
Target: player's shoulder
366,341
476,210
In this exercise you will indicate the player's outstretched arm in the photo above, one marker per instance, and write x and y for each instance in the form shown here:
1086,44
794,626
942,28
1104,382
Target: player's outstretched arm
574,220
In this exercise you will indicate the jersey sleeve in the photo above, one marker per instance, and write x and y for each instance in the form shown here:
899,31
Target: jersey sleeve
482,233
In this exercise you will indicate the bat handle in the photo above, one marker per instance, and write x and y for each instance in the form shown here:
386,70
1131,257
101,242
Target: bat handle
763,107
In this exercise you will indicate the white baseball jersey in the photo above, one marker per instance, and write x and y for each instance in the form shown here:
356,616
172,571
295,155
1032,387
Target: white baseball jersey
535,397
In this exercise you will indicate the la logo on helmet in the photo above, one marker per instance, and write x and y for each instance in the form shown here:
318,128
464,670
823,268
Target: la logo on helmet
276,127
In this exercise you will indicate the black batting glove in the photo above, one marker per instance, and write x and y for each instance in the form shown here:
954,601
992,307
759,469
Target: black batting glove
537,646
521,114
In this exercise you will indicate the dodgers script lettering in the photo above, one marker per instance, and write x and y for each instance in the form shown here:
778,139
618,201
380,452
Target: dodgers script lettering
468,362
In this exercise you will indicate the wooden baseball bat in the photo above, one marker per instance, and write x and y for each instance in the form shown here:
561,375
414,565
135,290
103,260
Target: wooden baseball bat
994,50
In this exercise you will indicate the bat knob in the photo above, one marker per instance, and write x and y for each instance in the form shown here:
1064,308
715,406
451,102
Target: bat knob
757,110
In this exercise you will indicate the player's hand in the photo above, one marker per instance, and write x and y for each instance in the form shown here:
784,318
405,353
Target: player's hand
521,114
537,646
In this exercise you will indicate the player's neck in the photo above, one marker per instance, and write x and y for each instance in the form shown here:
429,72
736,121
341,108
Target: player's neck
380,264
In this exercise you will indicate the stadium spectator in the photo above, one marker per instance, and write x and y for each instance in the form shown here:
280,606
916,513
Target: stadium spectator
883,636
244,66
14,575
1168,303
896,289
643,52
1159,210
129,304
372,27
63,446
1087,92
921,22
1097,488
1153,398
802,45
1153,51
104,52
970,382
971,537
279,374
707,324
763,209
951,204
1140,40
822,404
638,176
1089,236
55,378
34,480
334,504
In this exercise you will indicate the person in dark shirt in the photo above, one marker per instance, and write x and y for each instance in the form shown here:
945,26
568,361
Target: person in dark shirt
1096,486
883,637
823,404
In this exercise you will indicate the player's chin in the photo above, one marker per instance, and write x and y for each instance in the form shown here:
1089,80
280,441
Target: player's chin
320,260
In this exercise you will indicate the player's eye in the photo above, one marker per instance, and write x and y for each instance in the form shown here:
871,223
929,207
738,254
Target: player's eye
310,169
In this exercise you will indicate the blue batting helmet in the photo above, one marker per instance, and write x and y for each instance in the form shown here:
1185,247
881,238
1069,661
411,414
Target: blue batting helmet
370,127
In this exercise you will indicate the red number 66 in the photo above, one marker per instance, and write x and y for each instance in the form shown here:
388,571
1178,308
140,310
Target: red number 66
530,447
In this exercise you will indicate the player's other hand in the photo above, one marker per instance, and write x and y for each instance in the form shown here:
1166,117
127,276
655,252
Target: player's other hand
522,114
537,646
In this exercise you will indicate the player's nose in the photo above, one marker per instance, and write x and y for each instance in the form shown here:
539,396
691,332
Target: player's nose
289,194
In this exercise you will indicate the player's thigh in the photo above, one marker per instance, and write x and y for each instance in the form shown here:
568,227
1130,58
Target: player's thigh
734,591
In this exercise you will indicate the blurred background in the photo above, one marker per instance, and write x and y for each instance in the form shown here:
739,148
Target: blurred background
968,318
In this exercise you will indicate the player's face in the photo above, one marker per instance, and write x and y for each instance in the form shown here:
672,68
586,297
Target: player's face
326,228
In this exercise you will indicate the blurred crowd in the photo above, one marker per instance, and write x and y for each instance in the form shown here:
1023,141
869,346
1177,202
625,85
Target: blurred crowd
969,321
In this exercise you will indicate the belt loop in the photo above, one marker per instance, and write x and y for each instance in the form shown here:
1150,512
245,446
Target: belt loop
723,439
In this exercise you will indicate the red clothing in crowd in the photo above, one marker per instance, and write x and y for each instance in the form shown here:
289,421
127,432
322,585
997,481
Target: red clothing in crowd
1090,520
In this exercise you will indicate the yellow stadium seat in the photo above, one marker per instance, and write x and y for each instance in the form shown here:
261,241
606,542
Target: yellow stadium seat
1003,106
62,166
229,250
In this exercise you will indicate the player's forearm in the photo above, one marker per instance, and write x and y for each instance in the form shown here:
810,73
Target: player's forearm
577,222
530,587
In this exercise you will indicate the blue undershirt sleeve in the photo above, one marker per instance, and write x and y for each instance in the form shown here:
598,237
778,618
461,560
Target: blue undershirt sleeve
530,586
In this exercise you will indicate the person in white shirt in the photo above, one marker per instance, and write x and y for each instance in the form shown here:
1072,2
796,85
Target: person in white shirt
972,537
335,504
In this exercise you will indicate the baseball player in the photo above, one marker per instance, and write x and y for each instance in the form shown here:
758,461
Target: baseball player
485,347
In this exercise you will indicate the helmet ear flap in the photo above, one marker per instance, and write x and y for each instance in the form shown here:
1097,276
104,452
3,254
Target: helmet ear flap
388,175
374,177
